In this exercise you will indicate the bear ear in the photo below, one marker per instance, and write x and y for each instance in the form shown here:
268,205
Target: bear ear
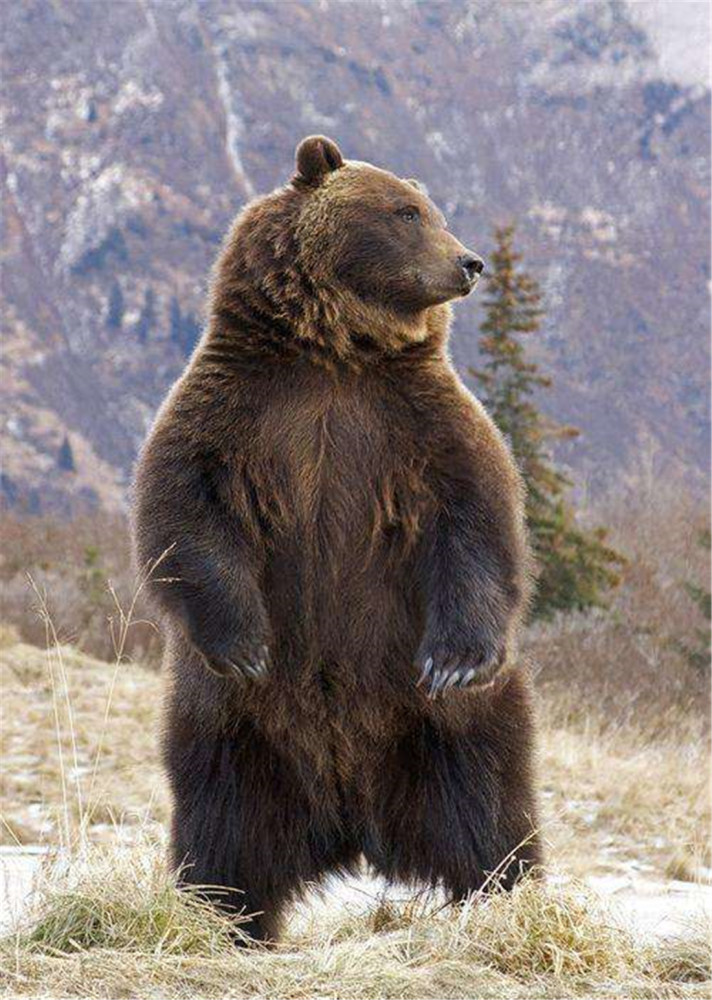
418,185
316,157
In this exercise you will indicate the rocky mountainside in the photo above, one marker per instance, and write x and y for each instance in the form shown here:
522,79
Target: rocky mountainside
133,131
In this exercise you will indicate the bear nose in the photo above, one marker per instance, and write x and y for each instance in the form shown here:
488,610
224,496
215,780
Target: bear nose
472,265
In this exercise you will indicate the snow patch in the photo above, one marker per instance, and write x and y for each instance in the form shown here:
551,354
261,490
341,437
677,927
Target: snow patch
439,145
601,224
14,427
234,127
132,95
550,217
680,35
114,193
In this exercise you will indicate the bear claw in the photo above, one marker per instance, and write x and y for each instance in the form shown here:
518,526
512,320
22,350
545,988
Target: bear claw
249,664
467,677
426,672
457,671
451,681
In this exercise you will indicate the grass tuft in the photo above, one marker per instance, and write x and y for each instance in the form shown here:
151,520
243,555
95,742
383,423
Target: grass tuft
683,960
124,900
539,929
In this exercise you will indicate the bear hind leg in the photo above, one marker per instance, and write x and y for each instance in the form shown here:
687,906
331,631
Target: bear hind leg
243,830
457,810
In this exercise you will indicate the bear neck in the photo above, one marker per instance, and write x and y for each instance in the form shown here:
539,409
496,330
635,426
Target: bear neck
263,300
336,321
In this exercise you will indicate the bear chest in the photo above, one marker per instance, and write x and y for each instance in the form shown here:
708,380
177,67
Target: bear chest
342,474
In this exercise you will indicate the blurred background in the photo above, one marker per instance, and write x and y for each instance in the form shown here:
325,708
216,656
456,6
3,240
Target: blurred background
134,131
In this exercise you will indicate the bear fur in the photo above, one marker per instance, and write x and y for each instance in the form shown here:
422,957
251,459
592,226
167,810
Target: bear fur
336,538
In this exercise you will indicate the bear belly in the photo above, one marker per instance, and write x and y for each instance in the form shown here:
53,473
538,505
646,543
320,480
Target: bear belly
340,575
342,605
346,618
344,504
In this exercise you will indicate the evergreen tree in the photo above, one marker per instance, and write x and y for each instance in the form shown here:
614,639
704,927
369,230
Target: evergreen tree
65,456
699,653
115,310
147,317
575,567
176,321
185,331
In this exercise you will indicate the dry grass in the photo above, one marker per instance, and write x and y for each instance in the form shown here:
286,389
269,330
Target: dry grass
112,924
73,563
117,773
623,800
108,922
121,899
79,768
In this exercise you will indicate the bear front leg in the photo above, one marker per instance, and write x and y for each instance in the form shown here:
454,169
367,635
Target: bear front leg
471,610
473,574
206,576
221,611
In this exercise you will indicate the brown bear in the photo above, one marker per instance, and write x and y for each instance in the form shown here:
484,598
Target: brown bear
342,561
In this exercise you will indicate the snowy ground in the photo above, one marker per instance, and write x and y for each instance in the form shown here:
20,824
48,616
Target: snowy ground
18,867
653,907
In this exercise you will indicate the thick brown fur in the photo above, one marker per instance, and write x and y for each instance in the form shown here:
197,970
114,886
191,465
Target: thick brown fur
338,517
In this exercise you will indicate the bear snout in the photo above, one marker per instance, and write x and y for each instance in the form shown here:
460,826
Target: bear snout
472,267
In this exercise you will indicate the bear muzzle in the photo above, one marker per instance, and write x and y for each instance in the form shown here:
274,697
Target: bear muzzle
472,267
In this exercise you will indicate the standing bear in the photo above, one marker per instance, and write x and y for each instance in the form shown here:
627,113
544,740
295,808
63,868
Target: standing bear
342,561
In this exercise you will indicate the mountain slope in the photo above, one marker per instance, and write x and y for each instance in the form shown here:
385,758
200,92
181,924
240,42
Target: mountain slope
133,132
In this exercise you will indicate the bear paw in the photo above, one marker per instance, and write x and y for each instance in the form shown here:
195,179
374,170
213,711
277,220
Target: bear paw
444,668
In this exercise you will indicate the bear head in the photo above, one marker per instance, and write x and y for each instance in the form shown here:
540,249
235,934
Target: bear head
345,256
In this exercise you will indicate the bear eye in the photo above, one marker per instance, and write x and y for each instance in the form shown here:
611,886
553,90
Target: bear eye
409,214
